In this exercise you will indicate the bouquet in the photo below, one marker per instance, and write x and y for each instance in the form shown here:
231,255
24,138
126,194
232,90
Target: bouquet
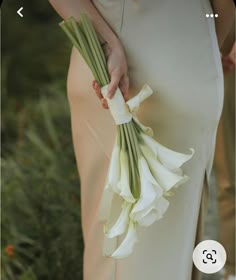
142,172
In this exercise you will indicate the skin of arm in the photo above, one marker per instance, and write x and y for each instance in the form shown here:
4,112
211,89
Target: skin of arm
226,12
74,7
229,41
116,59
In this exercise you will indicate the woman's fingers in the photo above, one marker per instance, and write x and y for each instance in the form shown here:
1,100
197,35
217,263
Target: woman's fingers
124,87
97,89
104,103
115,79
123,84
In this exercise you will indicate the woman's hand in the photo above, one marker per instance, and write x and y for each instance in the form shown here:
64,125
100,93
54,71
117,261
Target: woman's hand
117,68
229,61
116,60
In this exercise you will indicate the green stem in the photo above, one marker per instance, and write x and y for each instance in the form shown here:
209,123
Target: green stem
131,160
101,53
68,32
84,38
134,136
118,135
86,49
87,27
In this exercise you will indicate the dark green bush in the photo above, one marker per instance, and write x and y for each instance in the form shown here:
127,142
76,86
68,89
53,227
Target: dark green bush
41,229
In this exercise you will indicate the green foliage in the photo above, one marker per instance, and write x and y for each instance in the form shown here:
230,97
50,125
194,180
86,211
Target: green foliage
34,55
41,234
41,199
34,48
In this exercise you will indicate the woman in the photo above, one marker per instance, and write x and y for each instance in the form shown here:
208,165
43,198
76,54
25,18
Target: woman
171,46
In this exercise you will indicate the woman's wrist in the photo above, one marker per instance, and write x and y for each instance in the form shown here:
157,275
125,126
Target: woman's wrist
115,42
111,42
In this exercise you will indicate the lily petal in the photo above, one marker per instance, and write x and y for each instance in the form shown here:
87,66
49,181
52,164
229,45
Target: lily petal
123,184
165,178
146,130
122,222
127,245
154,213
171,159
150,190
113,175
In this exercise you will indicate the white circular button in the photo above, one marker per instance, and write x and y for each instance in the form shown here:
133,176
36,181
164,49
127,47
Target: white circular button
207,15
209,256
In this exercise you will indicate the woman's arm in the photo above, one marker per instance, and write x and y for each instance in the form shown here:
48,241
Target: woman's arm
226,11
229,41
116,60
68,8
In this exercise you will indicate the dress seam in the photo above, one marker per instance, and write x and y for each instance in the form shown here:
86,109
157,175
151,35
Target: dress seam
122,16
219,82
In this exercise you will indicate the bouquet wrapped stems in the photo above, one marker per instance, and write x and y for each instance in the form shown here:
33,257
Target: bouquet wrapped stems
142,172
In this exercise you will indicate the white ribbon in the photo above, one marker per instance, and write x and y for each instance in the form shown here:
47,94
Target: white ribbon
122,112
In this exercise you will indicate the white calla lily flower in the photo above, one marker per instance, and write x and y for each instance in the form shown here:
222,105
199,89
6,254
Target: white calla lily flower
171,159
150,190
122,222
113,175
146,130
127,245
124,183
111,184
154,212
165,178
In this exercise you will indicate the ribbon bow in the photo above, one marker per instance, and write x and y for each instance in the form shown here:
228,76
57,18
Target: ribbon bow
122,112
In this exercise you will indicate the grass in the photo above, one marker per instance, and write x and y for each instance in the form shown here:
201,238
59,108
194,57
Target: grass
41,224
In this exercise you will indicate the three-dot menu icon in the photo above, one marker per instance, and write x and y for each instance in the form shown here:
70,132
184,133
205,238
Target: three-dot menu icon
212,15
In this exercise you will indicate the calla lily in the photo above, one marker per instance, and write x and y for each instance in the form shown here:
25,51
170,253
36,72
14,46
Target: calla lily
124,183
122,222
150,190
113,175
171,159
184,179
154,212
165,178
127,245
146,130
111,184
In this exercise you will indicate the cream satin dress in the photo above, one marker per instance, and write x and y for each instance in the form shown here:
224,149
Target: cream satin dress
171,45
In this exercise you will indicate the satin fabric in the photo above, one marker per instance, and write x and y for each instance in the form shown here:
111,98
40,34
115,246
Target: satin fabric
171,45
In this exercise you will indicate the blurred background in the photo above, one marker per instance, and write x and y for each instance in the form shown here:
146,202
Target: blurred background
41,234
